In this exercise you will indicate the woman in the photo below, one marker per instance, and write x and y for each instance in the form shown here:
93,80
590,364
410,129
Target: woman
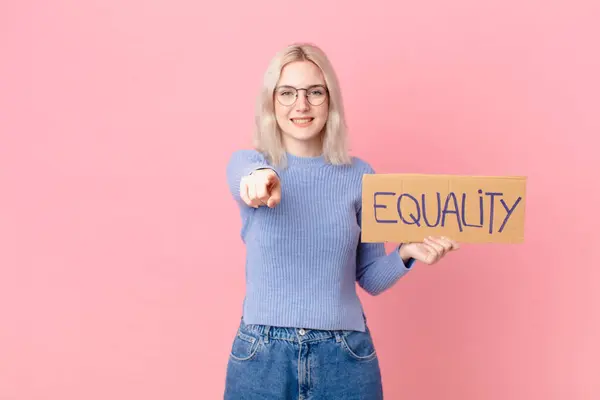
303,333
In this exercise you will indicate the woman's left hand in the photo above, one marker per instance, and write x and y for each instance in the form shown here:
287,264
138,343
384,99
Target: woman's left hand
430,251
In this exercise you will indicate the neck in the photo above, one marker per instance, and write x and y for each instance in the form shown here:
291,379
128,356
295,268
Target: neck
303,148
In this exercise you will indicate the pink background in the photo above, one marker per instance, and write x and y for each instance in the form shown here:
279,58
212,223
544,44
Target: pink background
121,268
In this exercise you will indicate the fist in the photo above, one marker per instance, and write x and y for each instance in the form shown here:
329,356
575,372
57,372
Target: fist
261,188
430,251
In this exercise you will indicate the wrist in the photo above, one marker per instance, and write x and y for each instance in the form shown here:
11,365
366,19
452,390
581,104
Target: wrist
404,252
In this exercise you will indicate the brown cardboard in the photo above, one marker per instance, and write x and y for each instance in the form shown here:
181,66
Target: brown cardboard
477,223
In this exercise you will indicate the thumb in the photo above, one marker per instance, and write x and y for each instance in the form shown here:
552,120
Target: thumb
272,178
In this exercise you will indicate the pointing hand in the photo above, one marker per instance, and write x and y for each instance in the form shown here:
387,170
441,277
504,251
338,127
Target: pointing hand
261,187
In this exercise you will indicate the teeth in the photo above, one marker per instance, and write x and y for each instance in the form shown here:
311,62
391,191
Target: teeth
301,121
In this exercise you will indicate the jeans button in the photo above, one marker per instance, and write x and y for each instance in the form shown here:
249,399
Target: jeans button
302,331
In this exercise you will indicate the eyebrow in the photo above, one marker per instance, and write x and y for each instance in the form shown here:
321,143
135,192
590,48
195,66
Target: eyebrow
292,86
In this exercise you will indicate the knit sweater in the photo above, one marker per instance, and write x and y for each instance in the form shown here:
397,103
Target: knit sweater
304,256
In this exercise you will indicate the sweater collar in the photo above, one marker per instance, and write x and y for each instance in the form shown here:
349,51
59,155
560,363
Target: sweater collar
305,161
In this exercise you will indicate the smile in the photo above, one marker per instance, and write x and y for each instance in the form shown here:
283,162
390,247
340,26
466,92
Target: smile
302,121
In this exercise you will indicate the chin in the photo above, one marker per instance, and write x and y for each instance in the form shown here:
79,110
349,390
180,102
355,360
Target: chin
302,136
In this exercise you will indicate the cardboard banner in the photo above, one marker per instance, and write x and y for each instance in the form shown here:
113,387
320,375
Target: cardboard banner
468,209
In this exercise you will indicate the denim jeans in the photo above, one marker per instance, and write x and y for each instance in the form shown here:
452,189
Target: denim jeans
274,363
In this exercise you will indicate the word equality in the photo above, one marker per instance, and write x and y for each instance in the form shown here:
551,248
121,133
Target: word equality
451,210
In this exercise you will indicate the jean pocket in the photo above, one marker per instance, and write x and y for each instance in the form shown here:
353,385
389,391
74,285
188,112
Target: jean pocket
245,346
359,345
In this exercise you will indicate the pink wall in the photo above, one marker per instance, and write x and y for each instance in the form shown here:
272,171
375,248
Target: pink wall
121,269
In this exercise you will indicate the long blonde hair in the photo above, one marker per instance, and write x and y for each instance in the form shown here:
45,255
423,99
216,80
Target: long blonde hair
267,135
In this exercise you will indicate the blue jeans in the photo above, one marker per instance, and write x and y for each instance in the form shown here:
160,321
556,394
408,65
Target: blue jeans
273,363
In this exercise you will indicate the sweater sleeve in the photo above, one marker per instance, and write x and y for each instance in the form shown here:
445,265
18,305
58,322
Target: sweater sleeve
377,271
242,163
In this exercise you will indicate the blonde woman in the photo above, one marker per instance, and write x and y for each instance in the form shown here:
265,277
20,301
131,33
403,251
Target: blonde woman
303,332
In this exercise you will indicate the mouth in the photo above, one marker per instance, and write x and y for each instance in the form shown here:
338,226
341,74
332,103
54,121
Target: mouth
302,122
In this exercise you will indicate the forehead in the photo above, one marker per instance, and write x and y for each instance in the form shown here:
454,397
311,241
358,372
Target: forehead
301,74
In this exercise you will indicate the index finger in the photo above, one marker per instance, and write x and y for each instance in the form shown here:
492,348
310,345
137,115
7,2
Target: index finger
275,196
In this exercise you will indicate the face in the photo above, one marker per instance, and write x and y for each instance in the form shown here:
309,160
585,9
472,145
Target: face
301,114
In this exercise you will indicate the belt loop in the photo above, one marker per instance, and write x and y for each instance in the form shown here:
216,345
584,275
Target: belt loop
266,333
338,336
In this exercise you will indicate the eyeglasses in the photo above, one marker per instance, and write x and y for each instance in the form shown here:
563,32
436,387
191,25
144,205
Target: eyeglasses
287,95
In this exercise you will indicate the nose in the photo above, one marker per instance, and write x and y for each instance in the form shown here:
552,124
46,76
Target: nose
302,103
